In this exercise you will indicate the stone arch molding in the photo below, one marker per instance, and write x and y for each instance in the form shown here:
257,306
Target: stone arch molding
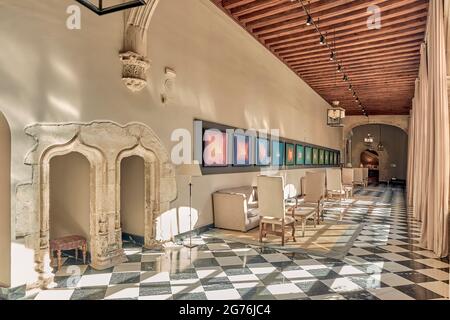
401,122
104,144
134,54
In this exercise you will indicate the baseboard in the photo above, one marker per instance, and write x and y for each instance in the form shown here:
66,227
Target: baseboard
133,238
194,232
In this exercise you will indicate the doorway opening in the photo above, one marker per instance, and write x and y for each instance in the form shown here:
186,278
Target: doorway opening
69,210
132,199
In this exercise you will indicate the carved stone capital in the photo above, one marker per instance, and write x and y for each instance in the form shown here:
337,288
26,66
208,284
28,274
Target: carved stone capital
134,72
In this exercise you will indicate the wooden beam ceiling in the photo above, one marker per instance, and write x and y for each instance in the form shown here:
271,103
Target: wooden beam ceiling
382,64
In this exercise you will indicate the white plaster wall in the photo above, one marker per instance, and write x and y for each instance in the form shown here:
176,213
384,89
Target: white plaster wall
132,195
69,196
5,205
52,74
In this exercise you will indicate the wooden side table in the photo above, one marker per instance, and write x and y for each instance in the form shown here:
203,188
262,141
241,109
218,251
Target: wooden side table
68,243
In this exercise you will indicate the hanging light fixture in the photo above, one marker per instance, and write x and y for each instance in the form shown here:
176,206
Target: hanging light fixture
368,140
322,40
335,115
102,7
309,20
380,144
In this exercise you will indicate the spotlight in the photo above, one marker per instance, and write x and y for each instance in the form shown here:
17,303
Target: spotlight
333,56
350,87
339,68
322,40
309,21
345,78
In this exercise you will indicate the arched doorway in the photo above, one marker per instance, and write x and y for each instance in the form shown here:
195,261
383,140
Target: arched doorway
390,159
5,202
69,210
371,159
132,199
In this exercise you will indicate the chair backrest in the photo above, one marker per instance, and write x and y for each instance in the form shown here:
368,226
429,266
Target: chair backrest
271,197
366,173
315,186
334,179
347,176
358,175
303,186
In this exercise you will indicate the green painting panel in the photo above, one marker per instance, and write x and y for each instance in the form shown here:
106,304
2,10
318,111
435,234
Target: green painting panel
315,156
308,156
300,155
327,157
321,157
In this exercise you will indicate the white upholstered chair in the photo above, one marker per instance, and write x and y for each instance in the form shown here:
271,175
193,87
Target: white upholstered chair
272,208
334,183
347,181
358,177
366,177
314,183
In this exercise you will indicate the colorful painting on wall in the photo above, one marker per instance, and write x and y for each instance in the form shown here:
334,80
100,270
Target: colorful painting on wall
290,154
300,155
321,157
241,150
277,153
262,152
215,148
327,157
315,156
308,156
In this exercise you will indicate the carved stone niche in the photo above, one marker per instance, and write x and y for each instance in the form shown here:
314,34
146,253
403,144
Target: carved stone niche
104,144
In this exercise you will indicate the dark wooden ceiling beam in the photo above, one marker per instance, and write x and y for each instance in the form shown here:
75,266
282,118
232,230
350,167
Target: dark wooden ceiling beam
382,64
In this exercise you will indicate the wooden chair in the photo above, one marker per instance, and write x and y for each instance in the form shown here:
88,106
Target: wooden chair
314,183
272,208
347,181
334,183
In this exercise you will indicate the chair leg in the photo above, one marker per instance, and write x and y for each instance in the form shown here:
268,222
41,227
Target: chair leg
282,235
303,227
260,231
293,232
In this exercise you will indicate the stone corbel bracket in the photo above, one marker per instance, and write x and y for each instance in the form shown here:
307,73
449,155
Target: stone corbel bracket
134,53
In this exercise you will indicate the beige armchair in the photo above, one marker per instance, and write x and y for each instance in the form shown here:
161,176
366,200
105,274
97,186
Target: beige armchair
347,181
272,208
313,199
366,177
334,183
358,179
236,209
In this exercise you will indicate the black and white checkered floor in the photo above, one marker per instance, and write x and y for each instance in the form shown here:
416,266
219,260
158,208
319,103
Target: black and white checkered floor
384,262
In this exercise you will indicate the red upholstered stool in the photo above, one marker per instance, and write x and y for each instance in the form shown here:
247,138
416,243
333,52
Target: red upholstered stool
68,243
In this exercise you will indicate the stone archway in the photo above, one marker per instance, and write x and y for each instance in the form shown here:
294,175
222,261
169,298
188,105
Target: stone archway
103,143
97,220
151,190
351,122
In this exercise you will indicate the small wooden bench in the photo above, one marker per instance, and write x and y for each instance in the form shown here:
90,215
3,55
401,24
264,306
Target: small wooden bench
68,243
